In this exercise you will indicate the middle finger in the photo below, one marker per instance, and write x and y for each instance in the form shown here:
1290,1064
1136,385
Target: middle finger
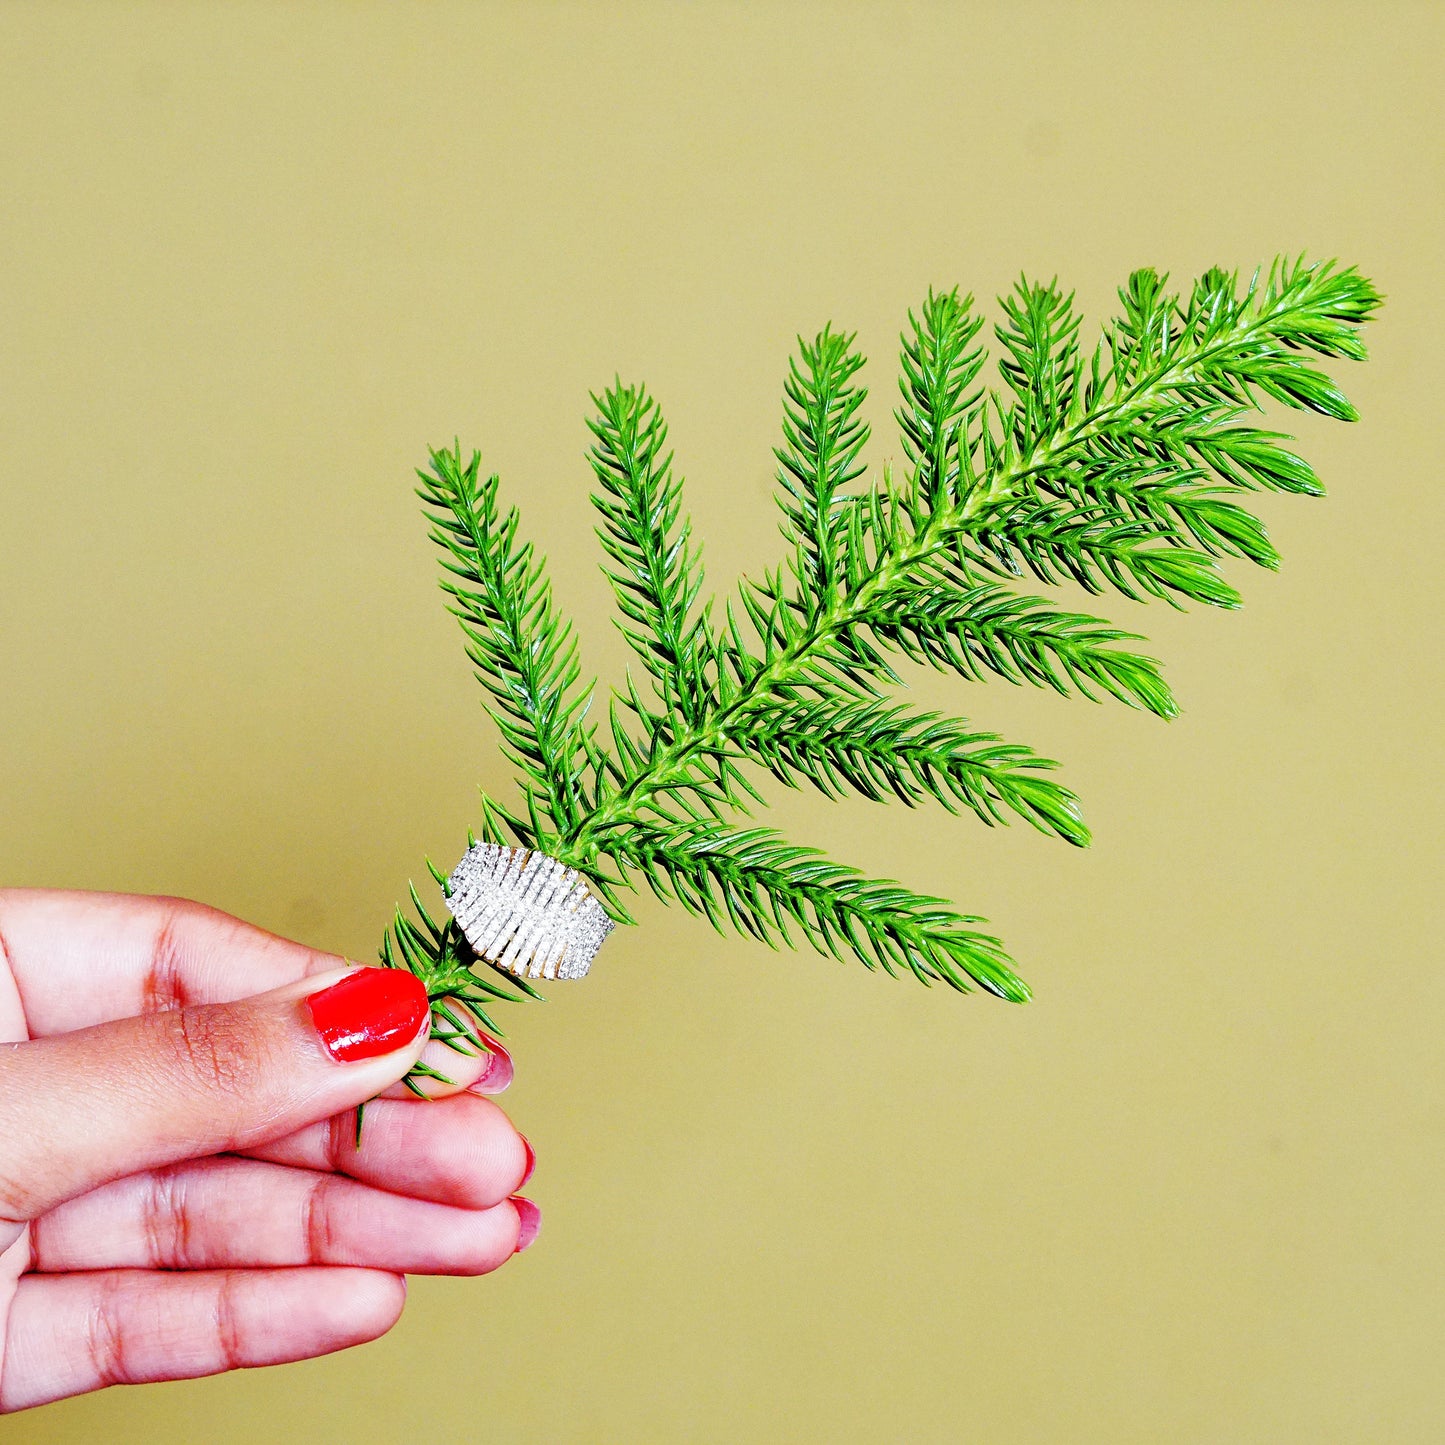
240,1213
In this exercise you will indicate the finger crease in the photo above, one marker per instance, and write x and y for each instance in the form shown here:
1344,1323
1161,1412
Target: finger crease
167,1222
316,1220
164,985
340,1140
104,1338
228,1322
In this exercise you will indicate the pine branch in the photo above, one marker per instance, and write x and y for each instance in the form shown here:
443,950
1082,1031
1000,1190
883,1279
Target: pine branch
1098,548
1041,365
524,654
1167,499
1116,468
988,629
939,367
883,749
823,435
659,573
763,885
889,537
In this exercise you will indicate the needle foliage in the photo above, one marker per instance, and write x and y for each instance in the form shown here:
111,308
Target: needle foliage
1125,466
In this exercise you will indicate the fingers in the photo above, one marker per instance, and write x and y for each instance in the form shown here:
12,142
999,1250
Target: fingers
85,958
79,1109
71,1333
240,1213
462,1150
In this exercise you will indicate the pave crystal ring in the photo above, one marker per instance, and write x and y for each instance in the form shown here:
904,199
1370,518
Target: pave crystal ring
526,912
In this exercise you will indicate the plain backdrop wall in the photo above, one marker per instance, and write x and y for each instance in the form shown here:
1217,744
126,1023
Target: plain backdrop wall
254,258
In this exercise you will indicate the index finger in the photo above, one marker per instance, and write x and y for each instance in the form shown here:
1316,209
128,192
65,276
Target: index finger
81,958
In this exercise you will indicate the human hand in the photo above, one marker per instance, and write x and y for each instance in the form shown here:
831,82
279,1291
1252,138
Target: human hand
180,1190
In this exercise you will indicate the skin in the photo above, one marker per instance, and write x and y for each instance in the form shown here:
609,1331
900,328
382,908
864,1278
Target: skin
179,1189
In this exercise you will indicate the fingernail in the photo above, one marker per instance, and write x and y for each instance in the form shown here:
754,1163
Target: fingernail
496,1072
530,1219
531,1159
372,1011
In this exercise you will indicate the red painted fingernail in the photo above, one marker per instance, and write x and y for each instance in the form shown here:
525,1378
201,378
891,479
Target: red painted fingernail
531,1160
496,1072
369,1012
529,1217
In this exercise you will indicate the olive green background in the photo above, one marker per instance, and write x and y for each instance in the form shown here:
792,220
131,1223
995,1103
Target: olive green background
253,259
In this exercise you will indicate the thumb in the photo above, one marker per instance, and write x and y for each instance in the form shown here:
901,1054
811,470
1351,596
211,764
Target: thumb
81,1108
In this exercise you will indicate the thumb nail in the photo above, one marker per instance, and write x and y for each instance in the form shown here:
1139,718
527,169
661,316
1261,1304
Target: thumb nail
371,1011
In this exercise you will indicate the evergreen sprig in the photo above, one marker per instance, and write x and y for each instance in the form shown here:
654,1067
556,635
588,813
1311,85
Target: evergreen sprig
525,655
658,573
1118,468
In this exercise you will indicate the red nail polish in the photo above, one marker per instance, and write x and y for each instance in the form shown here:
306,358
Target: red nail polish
531,1160
497,1071
369,1012
530,1219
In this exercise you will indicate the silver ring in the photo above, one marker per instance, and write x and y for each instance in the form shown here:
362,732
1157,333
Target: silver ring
526,912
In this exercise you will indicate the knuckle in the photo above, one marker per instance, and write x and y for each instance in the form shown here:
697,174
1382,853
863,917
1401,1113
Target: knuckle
318,1219
166,1222
163,986
210,1047
228,1322
105,1339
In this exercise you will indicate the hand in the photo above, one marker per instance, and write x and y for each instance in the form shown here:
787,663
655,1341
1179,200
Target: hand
180,1190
